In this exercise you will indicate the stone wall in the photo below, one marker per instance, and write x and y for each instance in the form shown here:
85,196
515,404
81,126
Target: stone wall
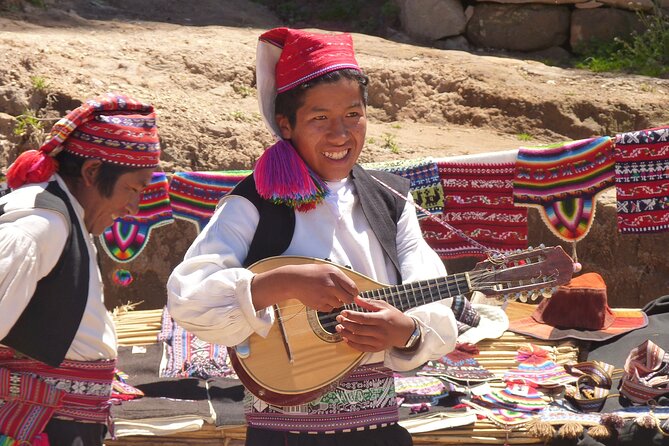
553,29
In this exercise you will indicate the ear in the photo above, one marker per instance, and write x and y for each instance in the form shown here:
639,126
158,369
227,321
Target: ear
89,171
284,125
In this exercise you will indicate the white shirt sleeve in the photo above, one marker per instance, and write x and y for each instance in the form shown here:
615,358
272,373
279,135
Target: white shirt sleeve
31,242
419,262
209,293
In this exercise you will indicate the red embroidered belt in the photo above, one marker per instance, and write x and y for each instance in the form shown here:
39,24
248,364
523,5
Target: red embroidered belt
31,393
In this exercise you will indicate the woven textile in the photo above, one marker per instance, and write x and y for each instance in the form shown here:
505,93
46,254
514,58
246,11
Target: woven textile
425,185
646,375
459,366
86,386
535,367
514,405
642,180
478,201
364,398
187,356
194,195
125,239
114,128
28,405
563,181
305,55
417,390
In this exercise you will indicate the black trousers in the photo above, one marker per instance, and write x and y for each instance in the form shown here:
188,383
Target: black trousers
72,433
393,435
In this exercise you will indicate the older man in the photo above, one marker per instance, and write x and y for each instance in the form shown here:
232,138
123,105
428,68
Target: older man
57,340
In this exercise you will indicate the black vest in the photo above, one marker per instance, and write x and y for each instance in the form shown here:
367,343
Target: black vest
47,326
277,222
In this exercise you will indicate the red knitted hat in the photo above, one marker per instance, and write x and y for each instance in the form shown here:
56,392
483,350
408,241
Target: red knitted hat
113,128
305,55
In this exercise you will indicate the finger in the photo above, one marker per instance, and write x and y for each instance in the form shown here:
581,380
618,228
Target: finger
347,287
371,304
363,343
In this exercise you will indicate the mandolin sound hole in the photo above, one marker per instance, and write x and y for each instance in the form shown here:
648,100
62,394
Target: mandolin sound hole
324,324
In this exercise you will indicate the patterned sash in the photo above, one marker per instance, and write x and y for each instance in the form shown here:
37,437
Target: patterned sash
31,393
365,399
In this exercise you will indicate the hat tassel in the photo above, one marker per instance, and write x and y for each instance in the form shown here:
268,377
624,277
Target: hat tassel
32,166
282,177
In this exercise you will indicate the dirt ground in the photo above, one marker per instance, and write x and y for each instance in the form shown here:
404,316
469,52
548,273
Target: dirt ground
196,65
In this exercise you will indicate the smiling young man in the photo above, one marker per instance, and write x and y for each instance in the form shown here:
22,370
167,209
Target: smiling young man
57,340
308,197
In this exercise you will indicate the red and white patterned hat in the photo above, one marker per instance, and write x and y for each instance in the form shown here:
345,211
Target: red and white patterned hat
113,128
288,57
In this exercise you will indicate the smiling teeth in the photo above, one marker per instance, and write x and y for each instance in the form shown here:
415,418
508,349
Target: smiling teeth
336,155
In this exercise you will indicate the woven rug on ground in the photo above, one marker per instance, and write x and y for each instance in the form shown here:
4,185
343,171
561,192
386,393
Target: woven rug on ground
478,201
125,239
642,180
186,356
562,181
194,195
424,176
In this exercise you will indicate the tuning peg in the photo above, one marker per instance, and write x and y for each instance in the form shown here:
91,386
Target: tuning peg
523,296
547,292
535,295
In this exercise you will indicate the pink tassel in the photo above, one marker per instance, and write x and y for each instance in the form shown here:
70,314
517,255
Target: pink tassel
32,166
283,177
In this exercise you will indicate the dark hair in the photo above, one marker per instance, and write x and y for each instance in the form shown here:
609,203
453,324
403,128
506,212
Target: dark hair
69,165
288,102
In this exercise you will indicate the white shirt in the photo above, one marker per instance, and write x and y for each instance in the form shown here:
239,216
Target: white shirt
31,242
209,292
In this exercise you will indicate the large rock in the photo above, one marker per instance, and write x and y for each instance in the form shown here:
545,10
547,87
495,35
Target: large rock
590,26
636,5
518,27
432,19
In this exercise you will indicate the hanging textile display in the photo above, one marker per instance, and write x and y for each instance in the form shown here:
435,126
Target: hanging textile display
642,180
478,200
194,195
562,181
128,236
425,187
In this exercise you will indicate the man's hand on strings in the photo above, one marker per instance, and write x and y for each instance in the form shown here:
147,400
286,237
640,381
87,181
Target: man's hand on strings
321,287
380,328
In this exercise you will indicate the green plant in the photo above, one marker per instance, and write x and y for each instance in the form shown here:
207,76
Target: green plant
38,83
390,143
644,52
243,90
29,127
396,125
524,137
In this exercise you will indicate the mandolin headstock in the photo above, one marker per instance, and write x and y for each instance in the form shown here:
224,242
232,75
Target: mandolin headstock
524,274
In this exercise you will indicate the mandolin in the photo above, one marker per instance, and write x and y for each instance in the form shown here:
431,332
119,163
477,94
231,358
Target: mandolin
303,355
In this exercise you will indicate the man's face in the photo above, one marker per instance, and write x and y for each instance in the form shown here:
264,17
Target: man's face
330,127
100,211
